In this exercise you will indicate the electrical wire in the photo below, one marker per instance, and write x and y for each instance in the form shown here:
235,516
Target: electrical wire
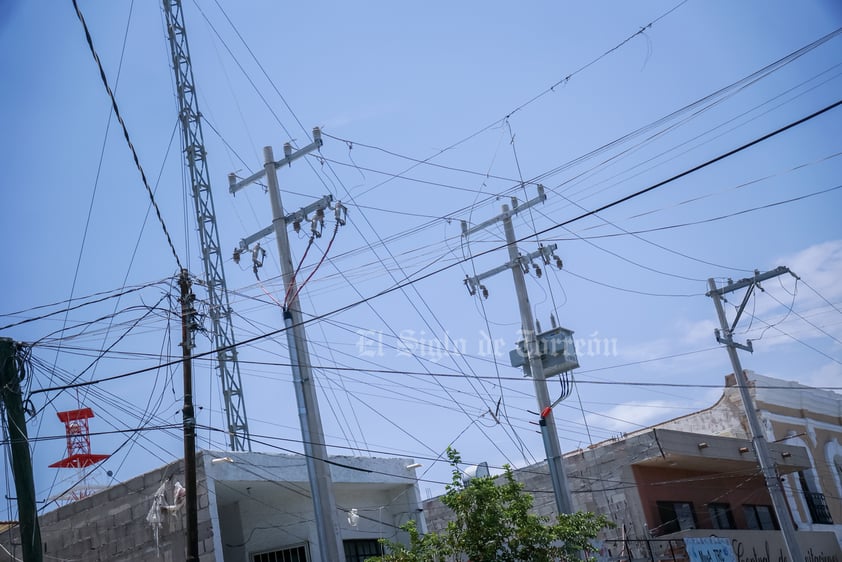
313,272
107,295
550,89
125,131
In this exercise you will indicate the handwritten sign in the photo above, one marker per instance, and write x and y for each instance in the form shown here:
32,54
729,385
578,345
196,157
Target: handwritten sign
709,549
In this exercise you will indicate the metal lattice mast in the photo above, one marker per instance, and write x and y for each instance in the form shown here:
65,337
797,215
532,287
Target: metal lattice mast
194,151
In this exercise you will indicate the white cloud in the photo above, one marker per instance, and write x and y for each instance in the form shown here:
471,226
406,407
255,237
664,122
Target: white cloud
699,333
830,375
360,115
768,317
632,416
685,336
643,351
819,267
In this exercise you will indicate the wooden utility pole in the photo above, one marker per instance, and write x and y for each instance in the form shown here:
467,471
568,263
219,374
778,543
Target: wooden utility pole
11,374
189,417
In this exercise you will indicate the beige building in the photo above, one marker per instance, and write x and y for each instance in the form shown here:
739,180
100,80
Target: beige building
794,414
697,476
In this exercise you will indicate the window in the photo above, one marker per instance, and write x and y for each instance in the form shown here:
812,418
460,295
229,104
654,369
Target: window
816,502
721,516
358,550
760,517
676,516
293,554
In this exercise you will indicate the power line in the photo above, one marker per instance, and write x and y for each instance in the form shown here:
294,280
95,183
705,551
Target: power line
538,96
710,219
727,90
818,294
412,281
696,168
107,295
126,132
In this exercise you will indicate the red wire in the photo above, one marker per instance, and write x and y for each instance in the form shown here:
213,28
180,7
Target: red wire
329,244
295,273
268,294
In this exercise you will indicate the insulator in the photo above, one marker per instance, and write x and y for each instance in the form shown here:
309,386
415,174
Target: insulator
545,255
470,286
341,213
257,255
237,253
558,263
316,226
537,269
296,225
484,291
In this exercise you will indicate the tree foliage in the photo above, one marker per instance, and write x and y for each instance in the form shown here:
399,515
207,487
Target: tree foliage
492,523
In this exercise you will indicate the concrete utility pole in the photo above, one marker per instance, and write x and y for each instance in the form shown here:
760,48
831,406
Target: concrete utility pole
761,447
11,373
188,323
315,450
533,351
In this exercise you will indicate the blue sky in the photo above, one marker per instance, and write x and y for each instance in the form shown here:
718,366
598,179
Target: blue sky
433,113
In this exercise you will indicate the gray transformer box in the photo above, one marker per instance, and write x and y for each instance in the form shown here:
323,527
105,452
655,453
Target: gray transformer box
558,352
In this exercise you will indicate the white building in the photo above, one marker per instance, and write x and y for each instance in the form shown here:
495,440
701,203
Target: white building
253,507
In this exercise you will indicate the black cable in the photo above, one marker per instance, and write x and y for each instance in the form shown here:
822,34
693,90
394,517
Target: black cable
253,85
748,79
818,294
673,226
96,178
411,281
109,295
125,131
707,220
695,168
546,91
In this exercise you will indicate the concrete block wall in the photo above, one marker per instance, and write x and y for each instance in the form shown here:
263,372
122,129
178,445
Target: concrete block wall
599,478
111,525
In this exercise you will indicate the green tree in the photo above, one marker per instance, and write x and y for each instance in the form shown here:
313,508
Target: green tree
492,523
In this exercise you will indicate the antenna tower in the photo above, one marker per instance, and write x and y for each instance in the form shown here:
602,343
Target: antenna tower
194,152
79,454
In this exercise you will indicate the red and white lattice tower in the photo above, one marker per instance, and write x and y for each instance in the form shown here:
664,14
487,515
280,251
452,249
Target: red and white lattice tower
79,454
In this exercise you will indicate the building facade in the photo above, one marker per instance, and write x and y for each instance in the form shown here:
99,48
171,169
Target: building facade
794,414
253,507
697,476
